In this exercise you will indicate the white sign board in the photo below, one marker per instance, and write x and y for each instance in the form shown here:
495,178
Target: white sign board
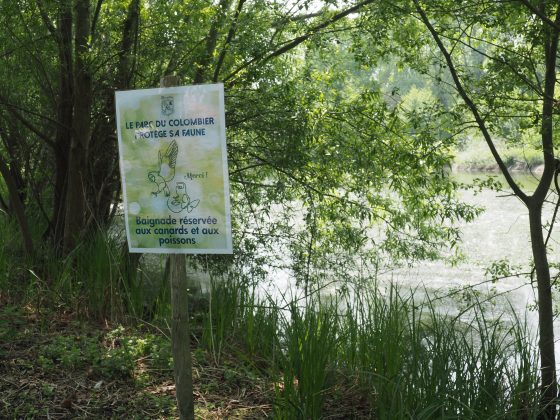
173,163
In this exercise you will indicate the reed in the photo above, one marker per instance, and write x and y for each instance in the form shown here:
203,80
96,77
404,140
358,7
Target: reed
408,359
93,279
421,363
309,342
404,358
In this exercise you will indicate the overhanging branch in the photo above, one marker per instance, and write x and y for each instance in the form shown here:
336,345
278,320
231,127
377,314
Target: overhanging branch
470,104
300,39
540,14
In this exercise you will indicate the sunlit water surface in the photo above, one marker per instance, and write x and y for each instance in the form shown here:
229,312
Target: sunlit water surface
501,232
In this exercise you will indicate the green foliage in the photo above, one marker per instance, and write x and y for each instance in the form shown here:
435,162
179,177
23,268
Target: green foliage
417,98
93,280
309,343
502,268
236,317
10,322
339,153
69,352
114,355
362,353
321,152
406,358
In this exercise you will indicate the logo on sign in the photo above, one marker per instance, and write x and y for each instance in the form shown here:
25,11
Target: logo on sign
167,105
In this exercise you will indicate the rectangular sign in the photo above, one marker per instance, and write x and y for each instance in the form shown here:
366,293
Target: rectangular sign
173,163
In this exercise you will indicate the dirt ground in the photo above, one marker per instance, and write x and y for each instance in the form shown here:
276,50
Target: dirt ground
54,367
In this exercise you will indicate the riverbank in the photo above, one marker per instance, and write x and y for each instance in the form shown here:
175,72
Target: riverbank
490,167
493,168
69,368
476,157
79,342
368,354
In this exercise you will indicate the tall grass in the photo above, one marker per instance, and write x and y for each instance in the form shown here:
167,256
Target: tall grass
10,271
423,363
100,267
99,278
95,280
407,359
308,361
399,358
237,318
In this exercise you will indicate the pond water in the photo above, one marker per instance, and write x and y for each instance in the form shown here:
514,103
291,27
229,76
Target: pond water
501,232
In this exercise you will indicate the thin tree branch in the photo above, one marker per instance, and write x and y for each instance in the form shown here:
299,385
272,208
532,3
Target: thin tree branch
47,20
31,127
95,19
508,64
298,40
554,24
471,105
230,35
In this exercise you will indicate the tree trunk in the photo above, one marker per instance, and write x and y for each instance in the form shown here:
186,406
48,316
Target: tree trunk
549,386
127,55
546,315
211,41
231,34
64,119
17,207
76,193
534,203
103,177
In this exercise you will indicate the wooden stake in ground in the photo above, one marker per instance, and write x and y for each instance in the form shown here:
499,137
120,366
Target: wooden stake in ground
180,336
180,328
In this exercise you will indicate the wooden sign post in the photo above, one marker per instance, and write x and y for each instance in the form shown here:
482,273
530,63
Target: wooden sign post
180,325
173,162
180,336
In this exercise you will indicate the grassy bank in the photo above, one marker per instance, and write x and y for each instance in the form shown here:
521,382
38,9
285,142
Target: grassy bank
475,156
87,337
363,355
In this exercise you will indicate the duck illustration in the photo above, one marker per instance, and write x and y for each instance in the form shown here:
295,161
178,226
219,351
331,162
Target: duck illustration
166,171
